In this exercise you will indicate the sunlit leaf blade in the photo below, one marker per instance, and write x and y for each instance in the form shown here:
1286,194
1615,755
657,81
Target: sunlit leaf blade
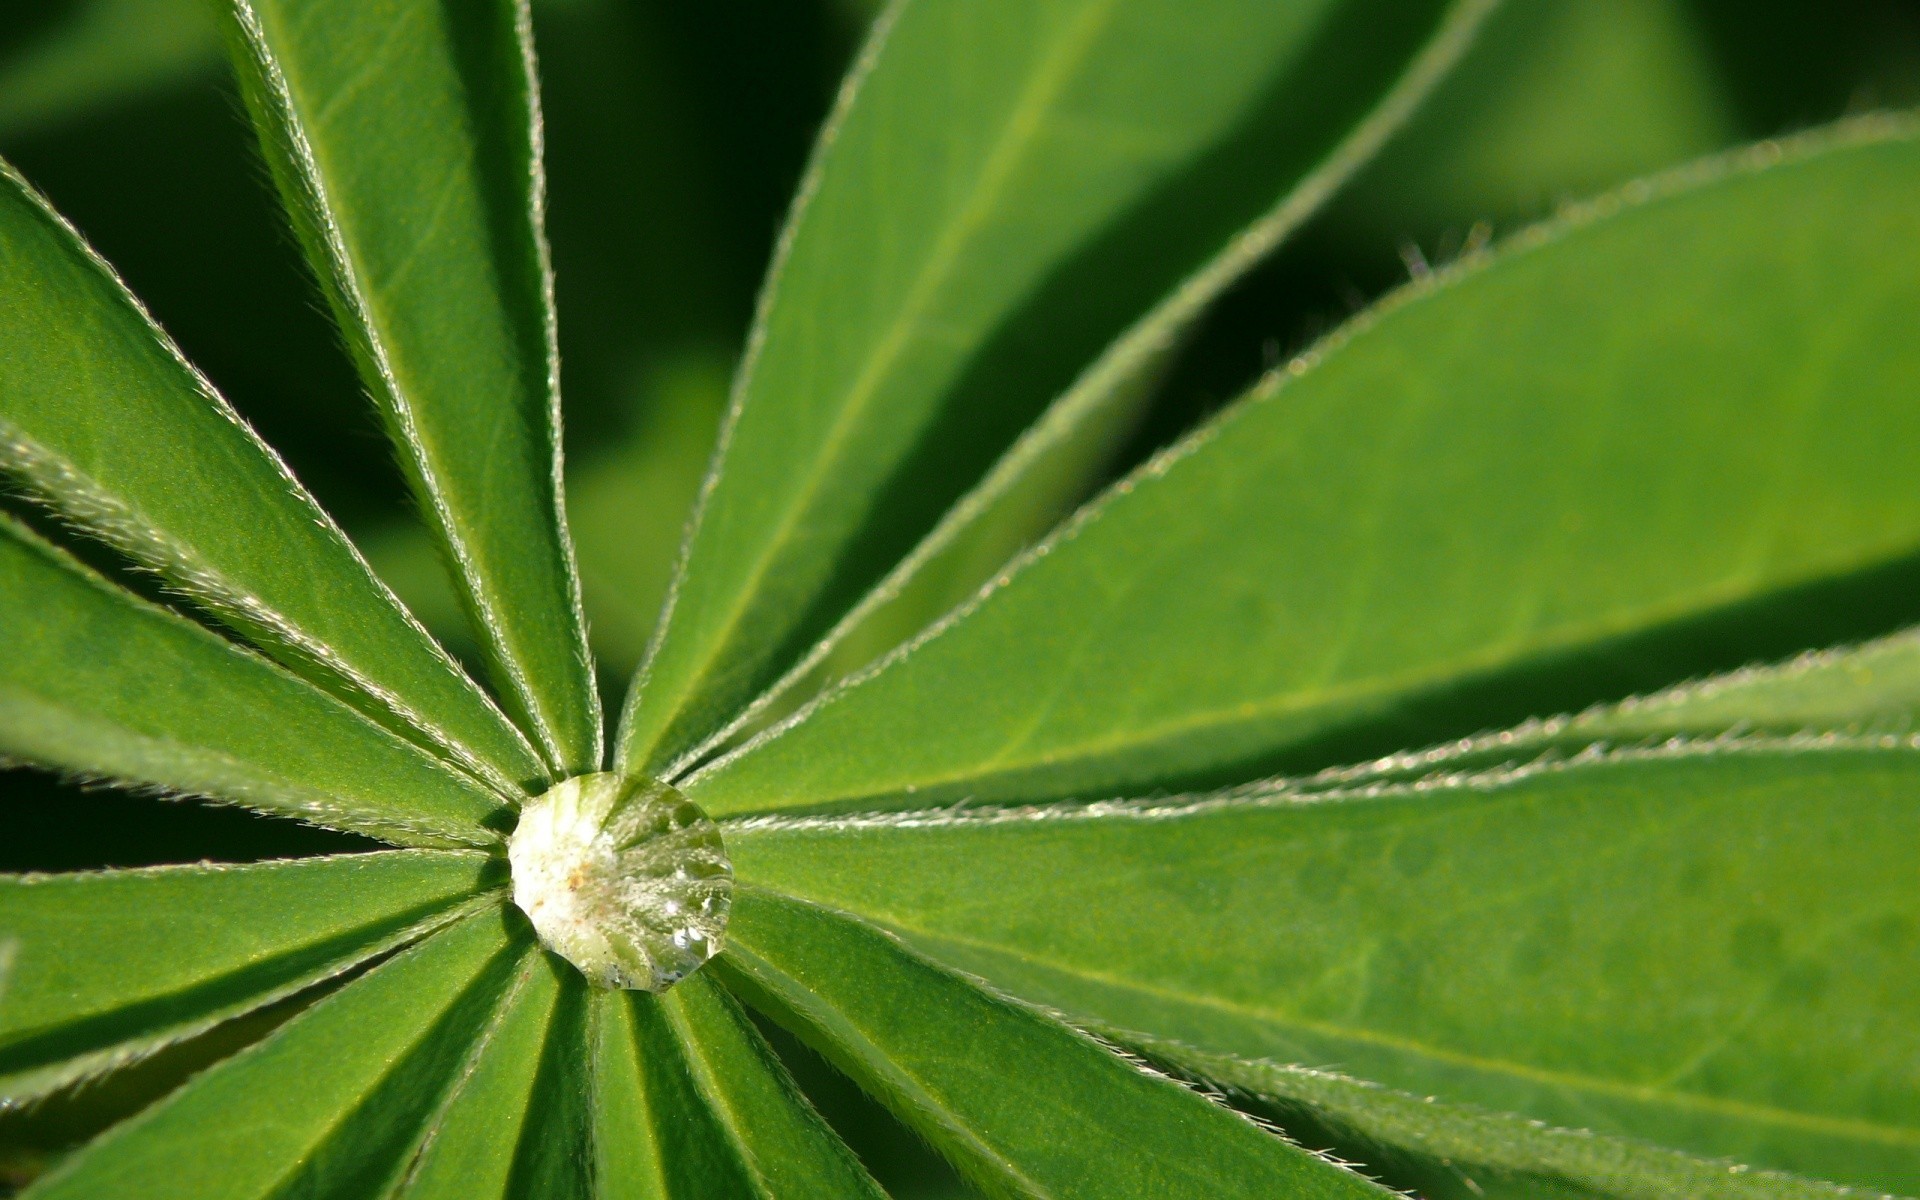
1436,501
98,683
1021,1104
113,965
101,419
1854,691
1047,471
993,204
329,1104
1454,1152
405,138
1710,949
692,1103
469,1147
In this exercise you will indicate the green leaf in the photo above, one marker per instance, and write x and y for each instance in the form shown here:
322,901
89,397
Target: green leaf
1461,1153
99,683
99,52
992,205
1708,948
328,1105
112,966
1386,528
101,419
405,138
1857,692
1023,1105
692,1103
468,1148
1047,470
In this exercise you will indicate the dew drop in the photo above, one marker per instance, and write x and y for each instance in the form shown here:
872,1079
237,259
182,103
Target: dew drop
625,878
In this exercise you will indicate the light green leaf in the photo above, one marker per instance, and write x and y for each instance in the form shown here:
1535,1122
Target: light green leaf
405,138
1456,1152
1021,1104
112,966
1048,469
993,203
1388,523
329,1104
1712,949
692,1103
99,683
101,419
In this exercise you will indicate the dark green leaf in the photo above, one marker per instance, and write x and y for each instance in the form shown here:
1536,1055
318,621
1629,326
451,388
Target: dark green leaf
1023,1105
692,1103
114,965
1711,949
1726,361
405,137
99,683
101,419
993,204
329,1104
102,51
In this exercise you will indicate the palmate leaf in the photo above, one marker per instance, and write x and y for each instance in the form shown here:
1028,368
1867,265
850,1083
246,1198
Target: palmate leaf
1021,1104
114,965
333,1103
1384,533
1071,163
101,419
405,139
692,1104
99,683
1656,944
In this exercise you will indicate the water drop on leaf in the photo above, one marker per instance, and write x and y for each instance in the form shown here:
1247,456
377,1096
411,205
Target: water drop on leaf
623,877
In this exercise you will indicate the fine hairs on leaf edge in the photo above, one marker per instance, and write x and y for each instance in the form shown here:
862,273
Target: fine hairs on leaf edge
1131,352
26,1089
1869,129
84,505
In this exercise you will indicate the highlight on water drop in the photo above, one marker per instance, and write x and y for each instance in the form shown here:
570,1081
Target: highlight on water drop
623,877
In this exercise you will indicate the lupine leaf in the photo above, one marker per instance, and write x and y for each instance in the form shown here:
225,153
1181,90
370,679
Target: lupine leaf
468,1149
99,683
1387,526
693,1104
1870,690
1047,470
326,1106
1711,949
1021,1104
405,138
1061,168
103,51
101,419
113,965
1454,1152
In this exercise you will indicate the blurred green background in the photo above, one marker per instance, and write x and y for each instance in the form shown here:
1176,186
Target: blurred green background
676,132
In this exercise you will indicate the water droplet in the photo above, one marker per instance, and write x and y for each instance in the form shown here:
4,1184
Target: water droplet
624,878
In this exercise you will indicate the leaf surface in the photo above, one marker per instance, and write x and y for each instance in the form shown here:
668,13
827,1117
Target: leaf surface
1455,1152
1390,526
99,683
1707,948
1021,1104
1060,168
101,419
110,966
693,1104
328,1105
405,139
